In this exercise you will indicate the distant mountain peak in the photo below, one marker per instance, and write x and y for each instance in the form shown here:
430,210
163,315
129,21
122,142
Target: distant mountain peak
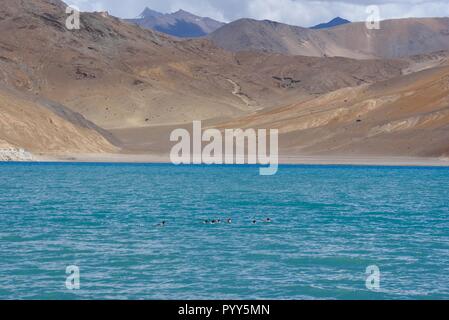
338,21
182,11
150,13
180,23
272,22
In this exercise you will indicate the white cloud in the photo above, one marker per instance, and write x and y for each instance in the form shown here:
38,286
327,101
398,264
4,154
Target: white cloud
298,12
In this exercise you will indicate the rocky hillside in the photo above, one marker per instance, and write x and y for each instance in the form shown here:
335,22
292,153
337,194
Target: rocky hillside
407,115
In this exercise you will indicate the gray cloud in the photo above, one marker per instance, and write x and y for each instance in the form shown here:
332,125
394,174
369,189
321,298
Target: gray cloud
297,12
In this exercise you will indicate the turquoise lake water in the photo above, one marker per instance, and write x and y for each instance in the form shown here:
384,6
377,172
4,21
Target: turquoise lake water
329,224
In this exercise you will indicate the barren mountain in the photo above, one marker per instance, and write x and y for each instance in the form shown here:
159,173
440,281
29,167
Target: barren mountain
118,75
394,39
113,84
181,24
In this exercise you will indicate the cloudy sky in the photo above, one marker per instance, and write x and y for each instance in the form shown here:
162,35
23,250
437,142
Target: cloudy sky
297,12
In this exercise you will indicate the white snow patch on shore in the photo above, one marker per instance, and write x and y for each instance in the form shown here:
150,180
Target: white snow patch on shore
15,154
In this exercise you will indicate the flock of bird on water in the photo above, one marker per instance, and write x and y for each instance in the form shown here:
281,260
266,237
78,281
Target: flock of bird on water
218,221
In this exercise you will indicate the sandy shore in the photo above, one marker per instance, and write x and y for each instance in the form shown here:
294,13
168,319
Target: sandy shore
285,159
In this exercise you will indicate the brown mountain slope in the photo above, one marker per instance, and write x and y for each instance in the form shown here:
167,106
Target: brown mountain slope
404,116
298,77
396,38
43,127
